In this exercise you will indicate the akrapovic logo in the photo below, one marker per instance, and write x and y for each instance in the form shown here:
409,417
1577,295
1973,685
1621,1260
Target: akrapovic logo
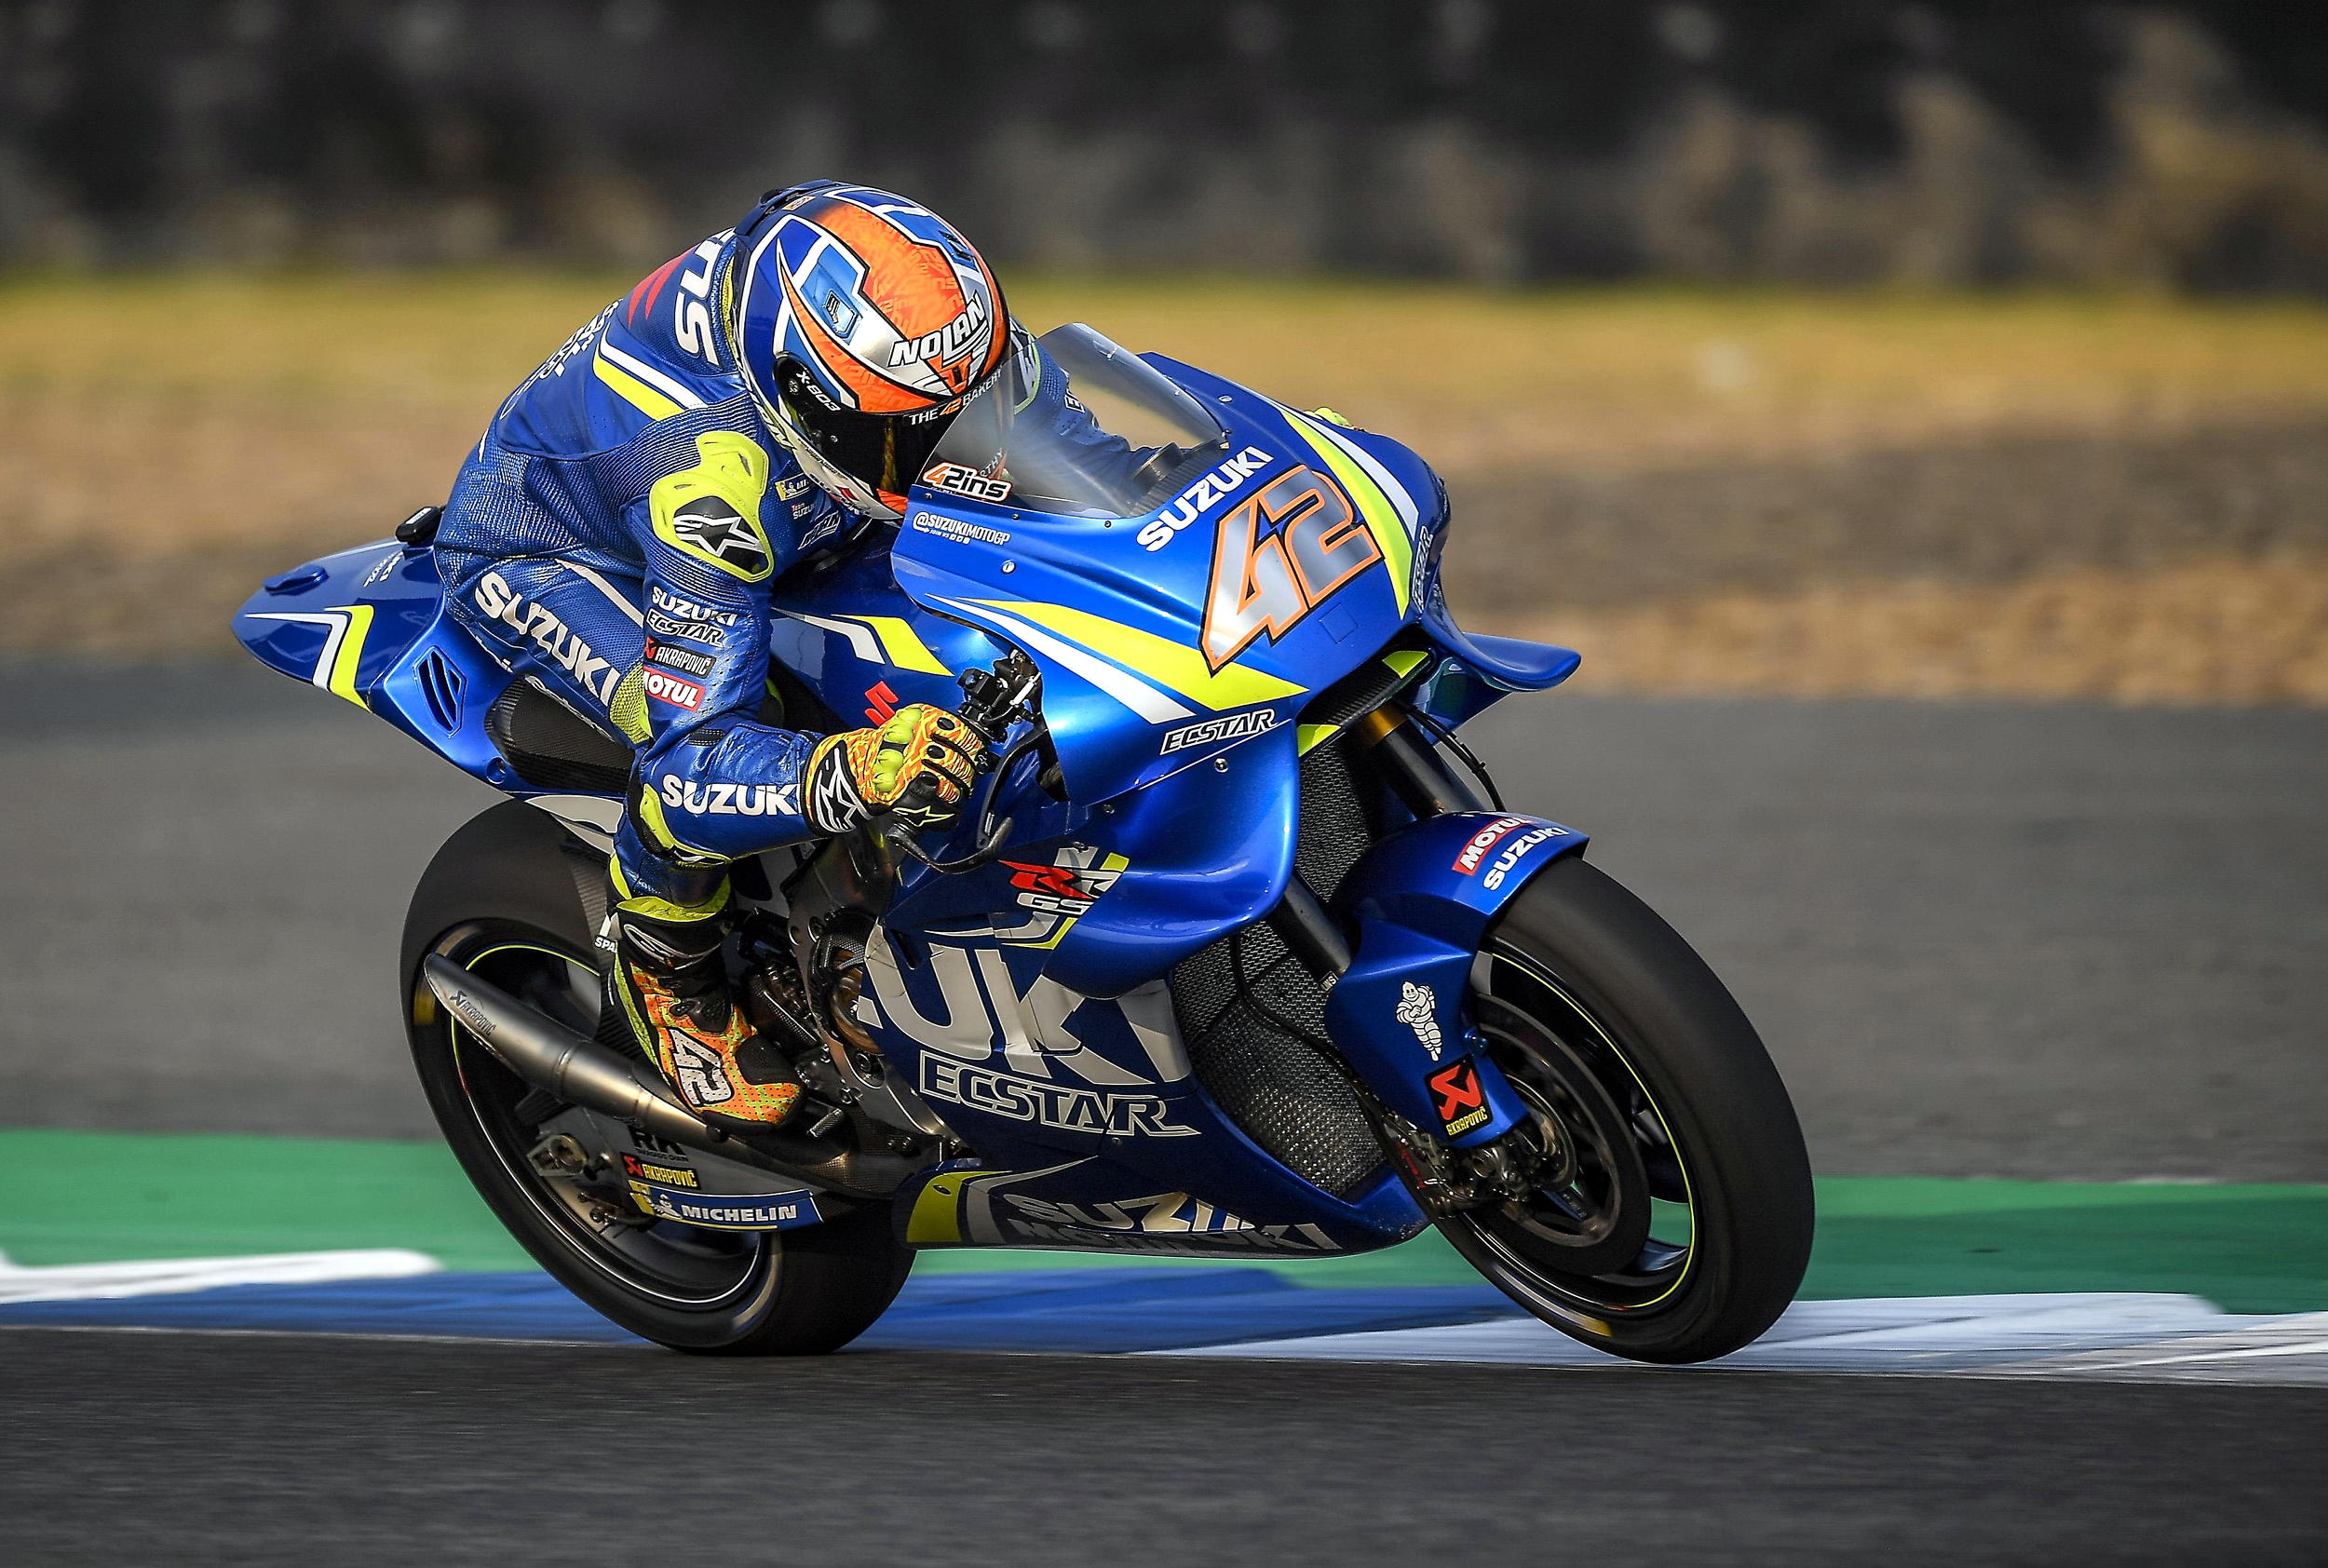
1199,498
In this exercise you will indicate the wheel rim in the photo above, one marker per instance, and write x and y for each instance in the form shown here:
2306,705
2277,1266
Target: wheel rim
1611,1229
679,1265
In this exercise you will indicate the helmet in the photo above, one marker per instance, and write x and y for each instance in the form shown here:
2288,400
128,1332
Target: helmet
862,323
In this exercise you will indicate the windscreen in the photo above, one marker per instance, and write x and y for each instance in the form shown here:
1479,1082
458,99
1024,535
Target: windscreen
1078,426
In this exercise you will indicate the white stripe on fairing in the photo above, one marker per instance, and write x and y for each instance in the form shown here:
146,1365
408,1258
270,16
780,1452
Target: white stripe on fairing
336,619
1400,500
1138,696
175,1276
614,596
676,391
861,638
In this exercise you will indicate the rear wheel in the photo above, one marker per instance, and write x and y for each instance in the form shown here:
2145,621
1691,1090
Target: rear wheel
502,899
1670,1219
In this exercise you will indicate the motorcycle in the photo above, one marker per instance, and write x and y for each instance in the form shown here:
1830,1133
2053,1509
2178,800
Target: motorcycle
1238,953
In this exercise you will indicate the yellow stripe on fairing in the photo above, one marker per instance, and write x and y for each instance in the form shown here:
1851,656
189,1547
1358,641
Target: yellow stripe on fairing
1174,665
906,650
632,390
351,652
1382,517
1310,736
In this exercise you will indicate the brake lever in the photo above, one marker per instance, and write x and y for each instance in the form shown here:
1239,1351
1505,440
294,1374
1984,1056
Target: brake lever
988,849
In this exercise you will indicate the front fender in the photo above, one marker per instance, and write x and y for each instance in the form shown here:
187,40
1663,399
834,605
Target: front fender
1422,901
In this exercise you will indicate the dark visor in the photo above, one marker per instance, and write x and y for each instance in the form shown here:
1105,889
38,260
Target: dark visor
885,452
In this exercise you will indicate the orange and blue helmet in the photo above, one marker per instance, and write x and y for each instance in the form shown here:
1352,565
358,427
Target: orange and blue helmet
863,322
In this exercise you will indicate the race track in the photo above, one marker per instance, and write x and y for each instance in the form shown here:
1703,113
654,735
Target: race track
2039,942
2043,942
298,1450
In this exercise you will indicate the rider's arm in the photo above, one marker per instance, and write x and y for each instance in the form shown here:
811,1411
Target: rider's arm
707,763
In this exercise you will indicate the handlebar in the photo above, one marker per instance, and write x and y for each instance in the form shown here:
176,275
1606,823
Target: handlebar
991,702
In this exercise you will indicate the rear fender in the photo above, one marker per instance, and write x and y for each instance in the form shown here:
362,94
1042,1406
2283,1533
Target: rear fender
1422,901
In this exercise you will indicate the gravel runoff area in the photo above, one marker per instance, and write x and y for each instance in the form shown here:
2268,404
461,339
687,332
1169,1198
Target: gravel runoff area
2040,941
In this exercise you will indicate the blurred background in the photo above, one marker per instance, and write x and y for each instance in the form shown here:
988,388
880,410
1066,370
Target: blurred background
1915,413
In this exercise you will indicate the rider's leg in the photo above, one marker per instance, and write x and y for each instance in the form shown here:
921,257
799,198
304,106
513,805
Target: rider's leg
574,632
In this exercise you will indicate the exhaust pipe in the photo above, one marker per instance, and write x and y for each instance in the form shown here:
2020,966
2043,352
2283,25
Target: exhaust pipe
581,1072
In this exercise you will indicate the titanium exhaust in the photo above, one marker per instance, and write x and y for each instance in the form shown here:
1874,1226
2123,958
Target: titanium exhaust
581,1072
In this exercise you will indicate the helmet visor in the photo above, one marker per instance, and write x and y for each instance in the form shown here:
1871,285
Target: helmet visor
883,451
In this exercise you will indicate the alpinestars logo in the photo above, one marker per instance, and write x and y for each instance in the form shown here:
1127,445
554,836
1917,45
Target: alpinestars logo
1418,1009
701,1077
718,530
834,805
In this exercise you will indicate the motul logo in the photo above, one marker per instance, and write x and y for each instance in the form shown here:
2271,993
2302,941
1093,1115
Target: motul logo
672,689
1475,848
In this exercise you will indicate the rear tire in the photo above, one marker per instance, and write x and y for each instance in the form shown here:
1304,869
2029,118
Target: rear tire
502,895
1679,1223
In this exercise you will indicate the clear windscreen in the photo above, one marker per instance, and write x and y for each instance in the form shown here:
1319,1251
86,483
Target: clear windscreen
1082,428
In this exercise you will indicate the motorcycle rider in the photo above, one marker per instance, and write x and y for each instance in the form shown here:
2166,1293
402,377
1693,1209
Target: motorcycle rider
757,401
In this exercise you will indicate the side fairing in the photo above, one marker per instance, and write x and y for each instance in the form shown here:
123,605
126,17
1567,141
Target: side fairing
1041,1078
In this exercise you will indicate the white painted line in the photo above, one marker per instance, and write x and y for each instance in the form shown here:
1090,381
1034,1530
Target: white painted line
1956,1334
176,1275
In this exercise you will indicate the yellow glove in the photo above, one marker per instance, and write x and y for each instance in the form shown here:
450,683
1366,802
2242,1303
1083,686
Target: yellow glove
918,768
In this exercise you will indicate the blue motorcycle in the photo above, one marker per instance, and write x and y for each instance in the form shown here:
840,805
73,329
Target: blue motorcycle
1236,953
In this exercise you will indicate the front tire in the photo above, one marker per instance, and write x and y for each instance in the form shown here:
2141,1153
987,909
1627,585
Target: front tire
502,898
1674,1221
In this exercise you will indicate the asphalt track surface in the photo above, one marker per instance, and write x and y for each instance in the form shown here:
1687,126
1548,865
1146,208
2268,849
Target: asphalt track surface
297,1450
2034,941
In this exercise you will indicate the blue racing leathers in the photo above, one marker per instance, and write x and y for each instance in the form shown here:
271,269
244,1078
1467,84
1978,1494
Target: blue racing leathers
612,539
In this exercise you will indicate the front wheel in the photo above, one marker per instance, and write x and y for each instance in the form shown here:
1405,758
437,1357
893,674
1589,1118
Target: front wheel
1670,1214
502,900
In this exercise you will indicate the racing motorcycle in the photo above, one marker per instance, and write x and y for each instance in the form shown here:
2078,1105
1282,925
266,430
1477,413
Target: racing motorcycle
1236,952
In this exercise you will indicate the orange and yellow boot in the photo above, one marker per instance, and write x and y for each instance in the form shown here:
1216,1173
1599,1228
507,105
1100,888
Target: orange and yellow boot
672,984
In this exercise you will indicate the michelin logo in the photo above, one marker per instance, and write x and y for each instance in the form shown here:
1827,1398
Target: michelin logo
1418,1009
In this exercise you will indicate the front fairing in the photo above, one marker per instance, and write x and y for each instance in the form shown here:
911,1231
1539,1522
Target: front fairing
1149,665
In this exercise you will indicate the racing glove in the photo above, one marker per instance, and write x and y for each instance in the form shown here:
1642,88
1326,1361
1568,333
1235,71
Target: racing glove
918,768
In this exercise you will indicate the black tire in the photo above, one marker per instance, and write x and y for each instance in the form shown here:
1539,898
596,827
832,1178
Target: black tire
1660,1090
502,896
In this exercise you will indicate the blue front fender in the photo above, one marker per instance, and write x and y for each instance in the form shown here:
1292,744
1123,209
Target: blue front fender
1422,901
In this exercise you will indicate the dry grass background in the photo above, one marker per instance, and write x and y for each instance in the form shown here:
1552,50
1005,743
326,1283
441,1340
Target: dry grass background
2123,498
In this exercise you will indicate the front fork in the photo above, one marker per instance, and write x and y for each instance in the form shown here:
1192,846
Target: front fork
1421,902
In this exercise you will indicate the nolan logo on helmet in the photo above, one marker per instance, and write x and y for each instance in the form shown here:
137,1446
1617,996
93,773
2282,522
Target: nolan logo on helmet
949,342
